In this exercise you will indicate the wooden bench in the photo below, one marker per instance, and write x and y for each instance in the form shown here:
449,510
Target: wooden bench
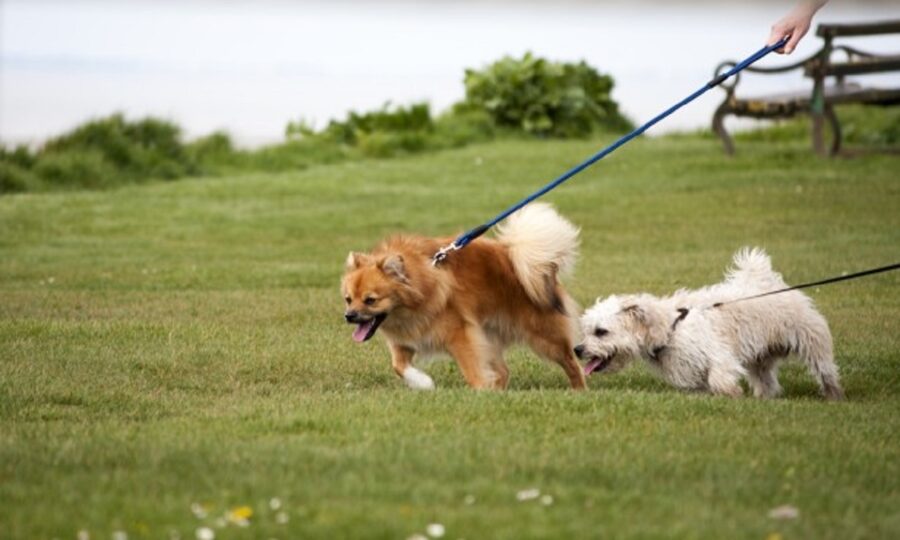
829,86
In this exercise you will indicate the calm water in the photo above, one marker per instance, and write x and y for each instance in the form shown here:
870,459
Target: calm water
249,67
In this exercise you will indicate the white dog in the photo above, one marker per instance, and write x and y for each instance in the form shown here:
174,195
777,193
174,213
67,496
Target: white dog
695,344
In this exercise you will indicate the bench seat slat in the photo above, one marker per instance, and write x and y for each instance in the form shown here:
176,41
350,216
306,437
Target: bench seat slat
859,29
861,66
790,103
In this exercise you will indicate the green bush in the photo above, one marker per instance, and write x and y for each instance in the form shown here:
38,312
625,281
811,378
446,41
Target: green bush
463,125
414,119
16,179
384,132
76,169
294,155
147,148
545,98
20,156
213,154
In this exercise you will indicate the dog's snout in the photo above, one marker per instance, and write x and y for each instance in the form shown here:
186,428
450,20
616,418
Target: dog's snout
579,351
351,316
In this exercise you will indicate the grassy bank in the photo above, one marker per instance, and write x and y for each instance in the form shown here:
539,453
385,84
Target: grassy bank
180,344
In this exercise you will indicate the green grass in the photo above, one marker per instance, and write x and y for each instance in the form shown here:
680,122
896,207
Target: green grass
179,343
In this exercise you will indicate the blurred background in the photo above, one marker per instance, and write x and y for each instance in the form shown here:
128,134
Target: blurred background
249,68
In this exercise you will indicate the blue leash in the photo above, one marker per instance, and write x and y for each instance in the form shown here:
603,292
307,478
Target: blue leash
464,239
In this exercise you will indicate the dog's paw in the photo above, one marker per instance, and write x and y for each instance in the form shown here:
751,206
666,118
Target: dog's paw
417,380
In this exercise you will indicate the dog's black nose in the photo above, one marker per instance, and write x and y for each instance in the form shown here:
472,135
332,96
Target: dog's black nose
579,351
351,316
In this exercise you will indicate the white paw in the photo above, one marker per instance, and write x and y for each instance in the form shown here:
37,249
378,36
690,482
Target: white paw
417,380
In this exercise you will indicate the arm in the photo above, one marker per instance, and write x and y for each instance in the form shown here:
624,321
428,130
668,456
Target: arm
795,24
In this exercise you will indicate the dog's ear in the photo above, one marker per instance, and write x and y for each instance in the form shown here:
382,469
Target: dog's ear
393,266
356,260
654,326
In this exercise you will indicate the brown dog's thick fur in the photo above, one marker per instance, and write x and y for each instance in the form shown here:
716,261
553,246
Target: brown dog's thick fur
476,303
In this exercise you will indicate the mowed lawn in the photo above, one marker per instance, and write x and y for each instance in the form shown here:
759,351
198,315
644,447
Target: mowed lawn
182,344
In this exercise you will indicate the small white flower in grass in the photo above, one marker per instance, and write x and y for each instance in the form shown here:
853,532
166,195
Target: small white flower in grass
83,535
119,535
275,503
220,523
417,537
198,510
784,511
469,500
435,530
547,500
281,518
528,494
205,533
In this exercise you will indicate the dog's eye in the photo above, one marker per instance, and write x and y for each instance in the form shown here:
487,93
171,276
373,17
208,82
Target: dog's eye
369,301
600,332
347,299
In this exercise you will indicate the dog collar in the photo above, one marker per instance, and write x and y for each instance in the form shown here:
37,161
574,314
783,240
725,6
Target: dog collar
682,313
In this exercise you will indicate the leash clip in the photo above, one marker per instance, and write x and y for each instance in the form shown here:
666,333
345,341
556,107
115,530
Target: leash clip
443,253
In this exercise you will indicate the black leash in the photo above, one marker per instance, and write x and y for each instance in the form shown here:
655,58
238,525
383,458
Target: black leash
864,273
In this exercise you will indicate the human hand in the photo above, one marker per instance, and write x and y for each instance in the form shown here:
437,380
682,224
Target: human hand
795,24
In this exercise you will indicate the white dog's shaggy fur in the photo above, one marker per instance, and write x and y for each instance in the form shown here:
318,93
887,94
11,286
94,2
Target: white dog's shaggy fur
694,345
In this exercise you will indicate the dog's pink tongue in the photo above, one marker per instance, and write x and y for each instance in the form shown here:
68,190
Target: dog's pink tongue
591,366
362,330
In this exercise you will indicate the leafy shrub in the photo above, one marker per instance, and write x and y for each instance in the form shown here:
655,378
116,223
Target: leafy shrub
146,148
294,155
15,179
384,132
463,125
76,169
20,156
214,153
545,98
412,120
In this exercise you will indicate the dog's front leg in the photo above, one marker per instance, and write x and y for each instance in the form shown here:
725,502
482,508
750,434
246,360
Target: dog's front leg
401,360
724,378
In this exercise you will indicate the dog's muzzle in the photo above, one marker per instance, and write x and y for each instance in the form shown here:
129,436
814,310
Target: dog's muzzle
595,364
365,326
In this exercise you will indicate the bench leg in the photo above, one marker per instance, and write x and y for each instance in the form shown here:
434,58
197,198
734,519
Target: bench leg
818,135
835,130
718,127
817,109
818,132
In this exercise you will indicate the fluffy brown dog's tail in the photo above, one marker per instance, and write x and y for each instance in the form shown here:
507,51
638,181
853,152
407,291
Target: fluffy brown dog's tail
542,247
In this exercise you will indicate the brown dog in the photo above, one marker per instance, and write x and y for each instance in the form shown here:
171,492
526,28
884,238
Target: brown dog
475,304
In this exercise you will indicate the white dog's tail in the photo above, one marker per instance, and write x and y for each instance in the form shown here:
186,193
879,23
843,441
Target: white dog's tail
542,247
753,267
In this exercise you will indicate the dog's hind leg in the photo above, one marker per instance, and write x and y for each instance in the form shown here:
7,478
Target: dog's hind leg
499,367
814,347
551,340
763,378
